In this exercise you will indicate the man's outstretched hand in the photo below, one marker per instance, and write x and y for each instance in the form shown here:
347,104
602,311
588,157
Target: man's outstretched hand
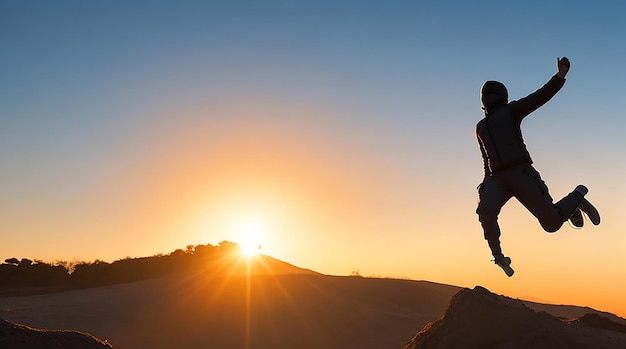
563,66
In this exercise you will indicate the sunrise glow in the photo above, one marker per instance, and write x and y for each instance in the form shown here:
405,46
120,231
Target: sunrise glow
250,241
334,137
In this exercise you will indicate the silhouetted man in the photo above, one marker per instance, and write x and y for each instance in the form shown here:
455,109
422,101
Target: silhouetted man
508,166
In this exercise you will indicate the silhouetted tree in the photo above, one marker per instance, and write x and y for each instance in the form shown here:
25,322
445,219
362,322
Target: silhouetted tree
76,274
227,246
13,261
356,273
205,253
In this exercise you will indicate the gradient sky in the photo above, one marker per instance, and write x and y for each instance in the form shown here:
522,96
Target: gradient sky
342,130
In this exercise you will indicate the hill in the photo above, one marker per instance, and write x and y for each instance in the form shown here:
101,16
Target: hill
27,277
222,300
202,310
480,319
569,312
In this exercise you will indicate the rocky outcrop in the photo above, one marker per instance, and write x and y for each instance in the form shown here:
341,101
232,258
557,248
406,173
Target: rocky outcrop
17,336
480,319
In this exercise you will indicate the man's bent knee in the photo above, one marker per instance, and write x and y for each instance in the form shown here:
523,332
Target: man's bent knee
551,227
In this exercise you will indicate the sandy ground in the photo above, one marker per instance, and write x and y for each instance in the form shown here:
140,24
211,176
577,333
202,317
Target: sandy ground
199,311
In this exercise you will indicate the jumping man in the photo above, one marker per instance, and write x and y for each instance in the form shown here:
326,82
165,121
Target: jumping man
508,166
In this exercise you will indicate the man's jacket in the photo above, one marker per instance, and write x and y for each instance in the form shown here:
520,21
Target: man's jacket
499,134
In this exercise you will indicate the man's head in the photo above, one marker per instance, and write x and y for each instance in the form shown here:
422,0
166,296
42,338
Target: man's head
492,94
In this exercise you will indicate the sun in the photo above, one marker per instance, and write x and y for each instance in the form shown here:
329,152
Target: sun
250,241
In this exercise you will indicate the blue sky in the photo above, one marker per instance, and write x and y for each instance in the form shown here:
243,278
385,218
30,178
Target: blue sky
118,119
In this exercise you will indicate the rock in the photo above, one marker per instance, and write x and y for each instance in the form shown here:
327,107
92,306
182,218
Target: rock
480,319
16,336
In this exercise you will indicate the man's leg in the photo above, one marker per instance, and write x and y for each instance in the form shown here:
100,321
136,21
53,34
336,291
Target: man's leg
493,195
532,192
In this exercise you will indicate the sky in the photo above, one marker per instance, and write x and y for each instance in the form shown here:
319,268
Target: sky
340,134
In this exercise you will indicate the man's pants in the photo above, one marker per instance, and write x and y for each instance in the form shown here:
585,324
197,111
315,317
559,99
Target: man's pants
525,184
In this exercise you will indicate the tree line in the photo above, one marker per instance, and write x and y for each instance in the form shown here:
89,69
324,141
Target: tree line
18,274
